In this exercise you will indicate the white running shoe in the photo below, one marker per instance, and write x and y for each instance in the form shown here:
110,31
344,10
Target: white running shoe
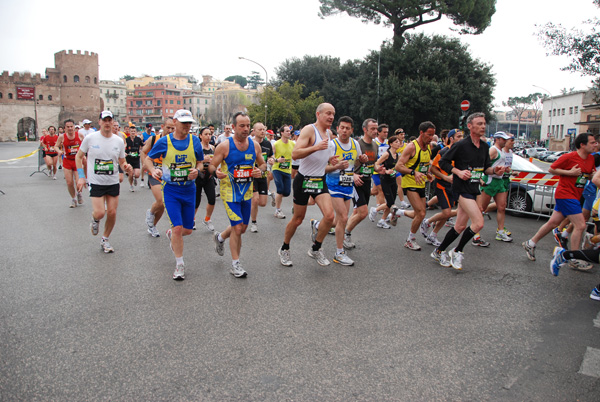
319,256
348,245
456,259
73,203
404,205
383,225
153,231
253,227
279,214
179,272
343,259
372,214
106,247
218,245
412,244
392,216
95,226
135,183
273,203
284,257
80,198
237,270
441,257
433,240
149,219
209,225
424,228
313,230
131,188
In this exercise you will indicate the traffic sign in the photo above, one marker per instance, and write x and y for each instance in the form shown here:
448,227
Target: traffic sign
465,105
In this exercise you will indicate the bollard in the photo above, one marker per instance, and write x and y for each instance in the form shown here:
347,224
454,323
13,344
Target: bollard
530,159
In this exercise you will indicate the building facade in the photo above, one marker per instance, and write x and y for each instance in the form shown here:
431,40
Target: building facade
114,96
153,103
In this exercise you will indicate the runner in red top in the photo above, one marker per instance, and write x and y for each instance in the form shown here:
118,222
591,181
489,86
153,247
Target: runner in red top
68,145
51,154
575,169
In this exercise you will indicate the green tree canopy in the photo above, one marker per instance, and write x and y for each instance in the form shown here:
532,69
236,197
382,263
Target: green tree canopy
127,77
255,80
238,79
472,16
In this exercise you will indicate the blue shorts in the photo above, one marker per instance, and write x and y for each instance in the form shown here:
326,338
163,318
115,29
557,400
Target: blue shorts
180,203
568,206
376,180
283,182
588,200
238,212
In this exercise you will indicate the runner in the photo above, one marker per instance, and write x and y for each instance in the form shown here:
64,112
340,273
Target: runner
157,208
389,186
48,143
67,145
471,161
401,135
382,146
182,158
261,185
282,170
133,146
241,160
206,181
104,152
312,152
87,128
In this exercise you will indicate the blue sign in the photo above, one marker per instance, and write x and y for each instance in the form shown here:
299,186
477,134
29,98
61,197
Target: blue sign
571,131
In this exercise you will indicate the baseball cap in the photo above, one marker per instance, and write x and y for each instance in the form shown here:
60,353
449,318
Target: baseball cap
148,125
453,131
86,121
502,134
184,116
103,115
297,132
270,132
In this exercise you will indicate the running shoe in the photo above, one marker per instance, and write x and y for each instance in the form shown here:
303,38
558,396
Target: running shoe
313,230
253,227
412,244
404,205
194,227
433,240
424,228
73,203
237,270
372,214
343,259
131,188
53,177
95,226
284,257
153,231
80,198
383,225
580,265
319,256
456,259
169,234
149,218
106,247
135,182
480,242
179,273
273,203
595,294
508,232
557,260
348,245
561,241
502,236
209,225
441,257
449,223
393,217
279,214
332,230
529,250
218,245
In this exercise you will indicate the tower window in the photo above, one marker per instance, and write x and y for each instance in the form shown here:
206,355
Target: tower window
64,78
10,96
87,79
76,78
49,97
41,97
95,80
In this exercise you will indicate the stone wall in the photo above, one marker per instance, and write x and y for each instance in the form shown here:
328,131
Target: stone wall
11,114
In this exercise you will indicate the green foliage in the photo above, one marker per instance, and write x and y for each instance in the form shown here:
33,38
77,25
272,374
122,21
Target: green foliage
254,80
286,105
238,79
472,16
127,77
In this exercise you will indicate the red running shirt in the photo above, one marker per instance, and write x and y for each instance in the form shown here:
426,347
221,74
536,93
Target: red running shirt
571,187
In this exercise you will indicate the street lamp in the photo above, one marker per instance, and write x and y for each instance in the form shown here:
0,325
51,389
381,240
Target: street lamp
551,107
266,83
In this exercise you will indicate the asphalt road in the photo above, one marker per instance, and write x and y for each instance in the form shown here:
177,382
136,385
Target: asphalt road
76,324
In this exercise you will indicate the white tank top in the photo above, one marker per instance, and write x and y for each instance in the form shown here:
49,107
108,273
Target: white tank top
315,163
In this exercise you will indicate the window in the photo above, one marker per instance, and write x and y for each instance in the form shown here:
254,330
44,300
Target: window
158,103
95,80
549,130
576,109
10,96
563,111
0,95
206,101
76,78
571,110
171,101
562,130
131,103
87,79
549,113
49,97
138,103
41,97
179,102
64,78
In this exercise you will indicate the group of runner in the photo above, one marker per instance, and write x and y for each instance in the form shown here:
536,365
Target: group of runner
323,166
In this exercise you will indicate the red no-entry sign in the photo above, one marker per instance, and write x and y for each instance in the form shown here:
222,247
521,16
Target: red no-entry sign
465,105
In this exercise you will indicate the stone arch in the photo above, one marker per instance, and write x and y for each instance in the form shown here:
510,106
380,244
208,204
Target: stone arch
27,125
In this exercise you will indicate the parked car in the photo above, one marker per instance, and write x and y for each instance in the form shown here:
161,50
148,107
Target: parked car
555,156
533,152
543,155
523,197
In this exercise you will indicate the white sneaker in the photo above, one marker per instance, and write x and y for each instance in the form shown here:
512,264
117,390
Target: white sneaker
131,188
80,198
209,225
343,259
279,215
153,231
106,247
284,257
95,226
219,248
237,270
433,240
392,216
412,244
253,227
424,228
179,272
73,203
348,245
135,183
441,257
404,205
502,236
449,223
372,214
456,259
381,224
319,256
149,219
313,230
273,203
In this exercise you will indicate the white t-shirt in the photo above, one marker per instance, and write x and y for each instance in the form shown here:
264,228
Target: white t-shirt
221,137
103,158
85,132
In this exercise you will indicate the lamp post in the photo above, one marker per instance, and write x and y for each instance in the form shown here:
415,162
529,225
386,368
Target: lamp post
266,83
551,107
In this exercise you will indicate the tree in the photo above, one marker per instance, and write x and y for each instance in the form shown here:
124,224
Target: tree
520,104
472,16
238,79
254,80
127,77
227,103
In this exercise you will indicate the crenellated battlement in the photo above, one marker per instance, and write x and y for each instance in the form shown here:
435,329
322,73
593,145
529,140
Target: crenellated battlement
24,77
78,53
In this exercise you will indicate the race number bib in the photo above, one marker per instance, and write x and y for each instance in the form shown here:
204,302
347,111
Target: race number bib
102,166
242,174
366,170
423,168
476,175
284,165
346,179
581,181
313,184
73,150
180,171
134,154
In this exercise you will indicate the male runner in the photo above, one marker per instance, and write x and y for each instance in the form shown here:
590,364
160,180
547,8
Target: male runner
87,128
382,147
105,152
241,160
68,144
282,169
51,152
260,187
182,158
134,144
312,152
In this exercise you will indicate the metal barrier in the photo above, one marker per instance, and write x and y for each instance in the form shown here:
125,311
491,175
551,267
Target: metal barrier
531,193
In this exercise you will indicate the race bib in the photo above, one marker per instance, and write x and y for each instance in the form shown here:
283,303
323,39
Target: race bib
134,154
366,170
284,165
581,181
264,174
313,184
423,168
476,175
102,166
346,179
180,171
242,174
73,149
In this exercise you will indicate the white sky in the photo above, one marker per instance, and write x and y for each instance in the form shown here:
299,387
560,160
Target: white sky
202,37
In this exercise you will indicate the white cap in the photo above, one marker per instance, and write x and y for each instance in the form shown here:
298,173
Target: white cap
86,121
103,115
184,116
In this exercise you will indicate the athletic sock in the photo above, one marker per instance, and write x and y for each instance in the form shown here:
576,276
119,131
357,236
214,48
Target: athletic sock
286,246
179,260
448,239
220,238
467,235
316,246
339,250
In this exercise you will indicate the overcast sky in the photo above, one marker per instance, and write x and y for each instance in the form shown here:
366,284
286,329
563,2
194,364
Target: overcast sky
207,37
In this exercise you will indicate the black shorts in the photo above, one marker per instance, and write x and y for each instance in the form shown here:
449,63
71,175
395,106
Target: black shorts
420,191
362,193
302,194
152,181
134,162
295,167
469,196
98,190
51,154
446,197
260,185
